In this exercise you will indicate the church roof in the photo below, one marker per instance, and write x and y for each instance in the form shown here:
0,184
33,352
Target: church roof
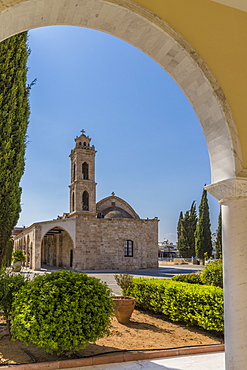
115,207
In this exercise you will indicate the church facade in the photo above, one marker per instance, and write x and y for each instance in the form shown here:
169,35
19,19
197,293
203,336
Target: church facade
92,236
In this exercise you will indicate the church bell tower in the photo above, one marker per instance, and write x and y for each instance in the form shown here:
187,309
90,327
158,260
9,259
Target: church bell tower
83,186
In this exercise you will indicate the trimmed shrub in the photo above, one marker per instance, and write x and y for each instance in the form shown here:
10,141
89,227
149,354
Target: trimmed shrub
188,278
62,311
10,283
190,303
213,274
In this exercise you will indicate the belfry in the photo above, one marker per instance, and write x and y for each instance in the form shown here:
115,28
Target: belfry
83,186
108,234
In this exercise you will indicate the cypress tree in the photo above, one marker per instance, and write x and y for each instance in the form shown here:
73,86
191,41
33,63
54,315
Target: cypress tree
186,226
203,241
14,115
192,229
179,226
183,240
218,243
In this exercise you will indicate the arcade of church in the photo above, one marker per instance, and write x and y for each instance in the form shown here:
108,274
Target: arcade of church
104,235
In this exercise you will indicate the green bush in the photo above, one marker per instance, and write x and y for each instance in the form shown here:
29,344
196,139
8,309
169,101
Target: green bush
123,280
190,303
10,284
18,256
62,311
213,274
188,278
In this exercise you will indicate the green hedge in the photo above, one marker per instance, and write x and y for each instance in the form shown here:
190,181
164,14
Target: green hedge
188,278
190,303
213,274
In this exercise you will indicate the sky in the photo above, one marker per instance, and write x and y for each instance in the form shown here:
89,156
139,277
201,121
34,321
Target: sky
151,150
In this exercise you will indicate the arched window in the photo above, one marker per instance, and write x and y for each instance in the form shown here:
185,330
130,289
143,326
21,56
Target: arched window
85,201
73,201
71,258
73,172
85,171
128,248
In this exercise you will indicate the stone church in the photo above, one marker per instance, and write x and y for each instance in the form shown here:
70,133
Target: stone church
104,235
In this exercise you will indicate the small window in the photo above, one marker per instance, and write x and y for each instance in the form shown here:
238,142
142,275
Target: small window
85,171
73,201
85,201
71,258
128,248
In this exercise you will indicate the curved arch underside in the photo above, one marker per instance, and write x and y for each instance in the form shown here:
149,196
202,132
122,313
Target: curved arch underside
134,24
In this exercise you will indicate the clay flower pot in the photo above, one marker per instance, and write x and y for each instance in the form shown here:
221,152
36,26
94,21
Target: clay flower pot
124,306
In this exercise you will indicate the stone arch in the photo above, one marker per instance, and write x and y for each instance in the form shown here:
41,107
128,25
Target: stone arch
56,248
141,28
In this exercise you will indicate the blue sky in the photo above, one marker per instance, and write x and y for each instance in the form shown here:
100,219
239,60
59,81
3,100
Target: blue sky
150,146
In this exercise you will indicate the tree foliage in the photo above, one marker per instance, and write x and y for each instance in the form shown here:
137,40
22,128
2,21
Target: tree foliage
179,231
203,241
10,284
218,242
62,311
14,114
6,262
213,274
186,230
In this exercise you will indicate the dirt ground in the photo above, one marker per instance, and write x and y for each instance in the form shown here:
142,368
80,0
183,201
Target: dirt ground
145,330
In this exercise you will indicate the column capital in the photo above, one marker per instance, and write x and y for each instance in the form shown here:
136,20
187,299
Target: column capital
230,189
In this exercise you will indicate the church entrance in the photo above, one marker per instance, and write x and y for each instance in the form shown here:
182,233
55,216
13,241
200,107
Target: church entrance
57,248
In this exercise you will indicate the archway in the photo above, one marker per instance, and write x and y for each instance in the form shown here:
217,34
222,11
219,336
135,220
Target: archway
152,35
142,29
57,248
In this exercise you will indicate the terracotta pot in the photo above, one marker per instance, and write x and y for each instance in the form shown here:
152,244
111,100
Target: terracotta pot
124,306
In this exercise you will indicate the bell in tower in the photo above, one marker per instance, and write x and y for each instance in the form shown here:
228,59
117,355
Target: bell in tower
83,186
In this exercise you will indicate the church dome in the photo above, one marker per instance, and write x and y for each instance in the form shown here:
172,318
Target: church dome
114,214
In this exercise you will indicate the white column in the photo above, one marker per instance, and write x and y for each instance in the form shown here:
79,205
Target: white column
232,195
37,248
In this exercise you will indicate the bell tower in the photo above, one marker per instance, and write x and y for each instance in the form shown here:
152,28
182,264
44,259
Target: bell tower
83,186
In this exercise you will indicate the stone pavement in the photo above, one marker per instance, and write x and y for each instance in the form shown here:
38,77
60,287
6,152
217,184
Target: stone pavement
163,271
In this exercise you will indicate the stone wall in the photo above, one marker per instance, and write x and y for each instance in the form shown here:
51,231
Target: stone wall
100,243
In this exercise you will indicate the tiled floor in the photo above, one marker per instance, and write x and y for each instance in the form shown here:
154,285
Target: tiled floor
208,361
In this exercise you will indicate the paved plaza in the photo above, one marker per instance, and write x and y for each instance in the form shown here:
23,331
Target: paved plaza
107,276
